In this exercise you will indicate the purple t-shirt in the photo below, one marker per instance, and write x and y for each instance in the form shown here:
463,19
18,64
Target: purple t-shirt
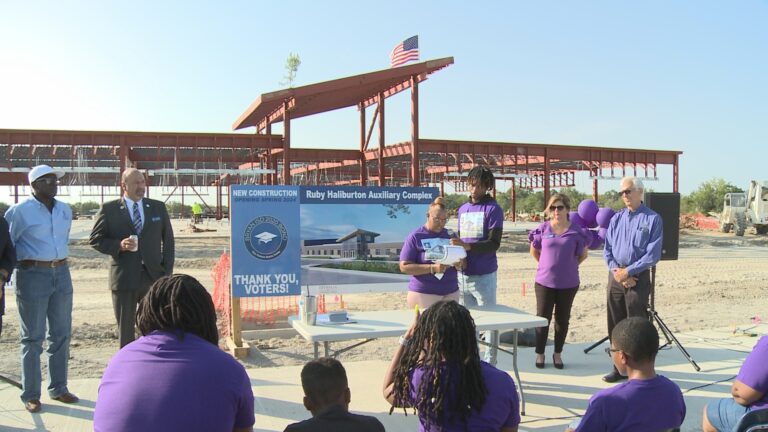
754,372
476,220
559,259
159,382
501,407
635,406
415,244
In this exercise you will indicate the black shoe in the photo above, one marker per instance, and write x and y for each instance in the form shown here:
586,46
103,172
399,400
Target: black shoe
540,365
613,377
556,364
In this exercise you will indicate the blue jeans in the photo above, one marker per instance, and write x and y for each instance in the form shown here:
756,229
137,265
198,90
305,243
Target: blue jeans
480,290
44,294
723,414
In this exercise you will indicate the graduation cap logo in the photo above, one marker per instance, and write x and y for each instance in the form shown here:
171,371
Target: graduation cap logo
265,237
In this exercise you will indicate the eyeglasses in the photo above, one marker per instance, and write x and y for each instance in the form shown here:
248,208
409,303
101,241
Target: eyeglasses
439,219
625,192
609,350
47,180
557,207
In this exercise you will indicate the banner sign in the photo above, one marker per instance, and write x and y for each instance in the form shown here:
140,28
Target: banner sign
285,237
265,240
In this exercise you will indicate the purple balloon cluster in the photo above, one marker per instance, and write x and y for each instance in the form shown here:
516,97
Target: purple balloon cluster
591,216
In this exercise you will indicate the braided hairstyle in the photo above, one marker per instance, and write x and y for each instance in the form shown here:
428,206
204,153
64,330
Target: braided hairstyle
481,175
179,304
444,347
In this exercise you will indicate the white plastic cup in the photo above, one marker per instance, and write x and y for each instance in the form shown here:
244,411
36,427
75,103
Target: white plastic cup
135,239
308,309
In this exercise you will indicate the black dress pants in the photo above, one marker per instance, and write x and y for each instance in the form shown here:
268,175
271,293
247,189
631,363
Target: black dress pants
124,303
559,300
627,302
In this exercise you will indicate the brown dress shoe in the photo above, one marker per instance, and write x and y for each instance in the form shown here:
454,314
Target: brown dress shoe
33,405
66,398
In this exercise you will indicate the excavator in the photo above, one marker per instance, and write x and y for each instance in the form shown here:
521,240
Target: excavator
744,210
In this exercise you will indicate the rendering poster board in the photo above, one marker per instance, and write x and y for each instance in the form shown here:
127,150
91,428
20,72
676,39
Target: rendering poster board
283,237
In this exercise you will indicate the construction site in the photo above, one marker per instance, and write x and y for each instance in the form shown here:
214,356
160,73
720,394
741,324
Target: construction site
200,166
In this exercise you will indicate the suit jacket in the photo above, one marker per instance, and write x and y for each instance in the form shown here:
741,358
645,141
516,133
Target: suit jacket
156,244
7,257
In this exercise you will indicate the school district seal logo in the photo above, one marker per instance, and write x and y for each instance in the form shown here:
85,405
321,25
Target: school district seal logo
265,237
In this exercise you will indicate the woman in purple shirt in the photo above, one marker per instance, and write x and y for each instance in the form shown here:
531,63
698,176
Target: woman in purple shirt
430,282
437,371
175,377
559,247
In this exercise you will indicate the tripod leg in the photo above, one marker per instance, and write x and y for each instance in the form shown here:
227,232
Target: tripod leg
594,345
652,316
668,334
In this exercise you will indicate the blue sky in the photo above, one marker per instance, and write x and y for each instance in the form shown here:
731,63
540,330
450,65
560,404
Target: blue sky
684,75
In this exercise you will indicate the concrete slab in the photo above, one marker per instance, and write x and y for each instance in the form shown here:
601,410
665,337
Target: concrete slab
554,397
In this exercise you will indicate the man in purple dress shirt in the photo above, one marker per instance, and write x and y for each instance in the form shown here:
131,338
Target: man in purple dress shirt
632,247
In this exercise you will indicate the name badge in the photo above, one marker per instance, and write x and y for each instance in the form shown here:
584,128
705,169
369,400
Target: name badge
156,219
549,236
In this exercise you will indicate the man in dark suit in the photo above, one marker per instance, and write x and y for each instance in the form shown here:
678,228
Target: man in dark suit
139,261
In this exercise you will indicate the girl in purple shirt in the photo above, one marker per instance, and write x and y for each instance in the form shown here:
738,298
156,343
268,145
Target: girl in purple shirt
437,371
559,247
430,282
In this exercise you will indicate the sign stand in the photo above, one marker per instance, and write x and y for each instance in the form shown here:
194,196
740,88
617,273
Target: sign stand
235,344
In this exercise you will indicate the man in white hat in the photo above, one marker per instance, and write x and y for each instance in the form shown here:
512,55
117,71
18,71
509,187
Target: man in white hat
39,229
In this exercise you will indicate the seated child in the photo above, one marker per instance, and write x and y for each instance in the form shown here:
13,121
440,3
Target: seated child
327,396
749,391
647,402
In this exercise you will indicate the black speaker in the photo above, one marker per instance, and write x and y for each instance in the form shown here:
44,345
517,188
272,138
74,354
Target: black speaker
667,205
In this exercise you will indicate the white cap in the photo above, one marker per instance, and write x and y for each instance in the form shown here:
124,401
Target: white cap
41,170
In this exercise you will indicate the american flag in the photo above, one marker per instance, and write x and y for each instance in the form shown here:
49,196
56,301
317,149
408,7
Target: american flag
405,51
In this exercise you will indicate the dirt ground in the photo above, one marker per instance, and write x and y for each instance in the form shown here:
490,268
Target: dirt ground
718,280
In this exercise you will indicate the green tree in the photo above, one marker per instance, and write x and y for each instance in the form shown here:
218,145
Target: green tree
575,196
3,208
531,203
453,202
175,209
292,64
504,199
709,195
611,199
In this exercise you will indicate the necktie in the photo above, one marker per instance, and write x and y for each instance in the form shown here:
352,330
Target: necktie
137,225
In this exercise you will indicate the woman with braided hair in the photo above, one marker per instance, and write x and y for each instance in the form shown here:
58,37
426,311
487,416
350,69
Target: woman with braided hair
437,371
175,377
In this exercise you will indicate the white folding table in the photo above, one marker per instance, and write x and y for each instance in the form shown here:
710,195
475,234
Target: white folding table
372,325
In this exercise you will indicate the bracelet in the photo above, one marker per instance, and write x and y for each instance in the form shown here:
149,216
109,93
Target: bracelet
403,341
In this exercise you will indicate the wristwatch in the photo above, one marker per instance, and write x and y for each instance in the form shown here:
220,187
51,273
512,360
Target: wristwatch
403,341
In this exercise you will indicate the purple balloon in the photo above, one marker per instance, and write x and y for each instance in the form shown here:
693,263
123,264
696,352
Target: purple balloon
576,219
597,242
588,210
601,233
604,216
